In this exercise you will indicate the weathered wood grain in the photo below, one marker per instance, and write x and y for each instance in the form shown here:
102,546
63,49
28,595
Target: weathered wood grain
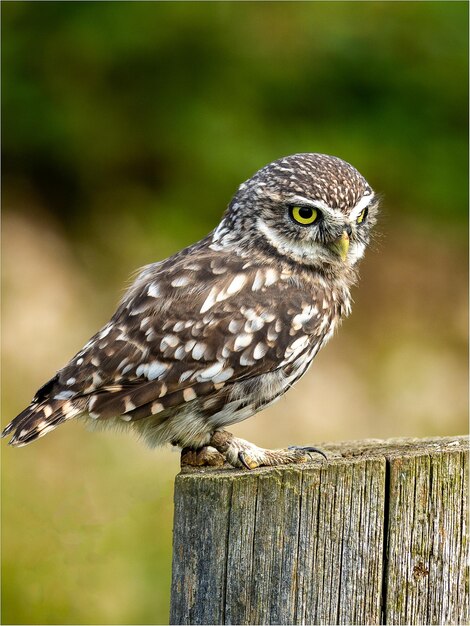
378,534
427,564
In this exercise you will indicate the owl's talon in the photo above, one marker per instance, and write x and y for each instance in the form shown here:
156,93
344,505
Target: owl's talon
309,449
241,453
241,458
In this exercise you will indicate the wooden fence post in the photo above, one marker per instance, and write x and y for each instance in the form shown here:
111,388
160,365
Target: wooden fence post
376,535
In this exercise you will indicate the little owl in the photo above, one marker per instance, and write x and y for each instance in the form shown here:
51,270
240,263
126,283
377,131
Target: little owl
223,328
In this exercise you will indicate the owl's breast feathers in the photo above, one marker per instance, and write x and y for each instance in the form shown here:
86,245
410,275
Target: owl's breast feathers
188,332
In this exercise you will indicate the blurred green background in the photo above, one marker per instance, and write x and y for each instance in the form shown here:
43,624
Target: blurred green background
127,127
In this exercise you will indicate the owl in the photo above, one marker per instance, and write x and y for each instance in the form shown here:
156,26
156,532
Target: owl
223,328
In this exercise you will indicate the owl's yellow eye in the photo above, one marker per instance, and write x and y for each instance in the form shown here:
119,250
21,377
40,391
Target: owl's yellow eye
362,216
304,215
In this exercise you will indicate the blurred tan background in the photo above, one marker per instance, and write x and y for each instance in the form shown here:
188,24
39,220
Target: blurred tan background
126,129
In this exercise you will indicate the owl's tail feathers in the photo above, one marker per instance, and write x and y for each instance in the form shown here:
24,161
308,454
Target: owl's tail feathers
38,419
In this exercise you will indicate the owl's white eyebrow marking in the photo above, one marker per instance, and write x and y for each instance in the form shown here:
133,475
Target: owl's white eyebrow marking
318,204
361,205
364,202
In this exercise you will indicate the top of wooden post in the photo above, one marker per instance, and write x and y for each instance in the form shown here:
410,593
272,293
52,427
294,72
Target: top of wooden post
345,451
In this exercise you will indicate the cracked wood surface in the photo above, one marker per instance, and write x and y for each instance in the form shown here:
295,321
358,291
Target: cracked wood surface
378,534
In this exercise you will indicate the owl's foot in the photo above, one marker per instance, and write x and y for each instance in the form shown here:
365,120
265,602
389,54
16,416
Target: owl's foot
206,456
241,453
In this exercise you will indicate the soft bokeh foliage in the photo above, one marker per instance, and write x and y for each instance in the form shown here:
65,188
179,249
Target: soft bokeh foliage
127,126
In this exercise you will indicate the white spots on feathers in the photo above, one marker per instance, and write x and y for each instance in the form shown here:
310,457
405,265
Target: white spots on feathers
217,267
64,395
235,326
300,343
128,405
216,247
185,375
218,295
260,350
235,286
96,380
154,290
264,278
294,349
198,350
189,345
195,267
254,324
71,381
150,334
180,281
224,375
42,428
180,353
189,394
258,281
151,370
242,341
80,361
145,322
271,277
300,319
92,402
209,301
169,341
156,407
210,372
272,335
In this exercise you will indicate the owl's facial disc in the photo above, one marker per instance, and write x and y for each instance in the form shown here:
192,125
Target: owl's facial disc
311,232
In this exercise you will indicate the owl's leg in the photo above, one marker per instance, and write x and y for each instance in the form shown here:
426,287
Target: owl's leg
241,453
206,456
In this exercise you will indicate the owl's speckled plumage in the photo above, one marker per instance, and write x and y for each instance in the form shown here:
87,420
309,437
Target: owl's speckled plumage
221,329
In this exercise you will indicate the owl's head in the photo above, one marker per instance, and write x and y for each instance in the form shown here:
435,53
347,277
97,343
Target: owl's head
313,209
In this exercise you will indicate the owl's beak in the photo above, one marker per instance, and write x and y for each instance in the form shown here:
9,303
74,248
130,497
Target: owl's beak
341,246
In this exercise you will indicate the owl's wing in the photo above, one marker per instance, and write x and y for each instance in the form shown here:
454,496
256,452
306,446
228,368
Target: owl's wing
166,347
186,329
